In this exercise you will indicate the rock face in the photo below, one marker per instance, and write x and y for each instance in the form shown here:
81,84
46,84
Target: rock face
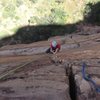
86,89
51,77
40,80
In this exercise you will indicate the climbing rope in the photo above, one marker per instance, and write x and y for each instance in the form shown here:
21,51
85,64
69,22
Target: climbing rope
88,78
19,67
13,70
52,58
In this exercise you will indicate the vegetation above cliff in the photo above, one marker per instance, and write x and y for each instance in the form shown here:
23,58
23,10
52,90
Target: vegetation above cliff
19,13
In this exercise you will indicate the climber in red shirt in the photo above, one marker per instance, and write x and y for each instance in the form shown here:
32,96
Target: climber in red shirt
54,47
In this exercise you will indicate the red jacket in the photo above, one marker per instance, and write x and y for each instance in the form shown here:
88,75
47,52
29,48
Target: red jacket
54,48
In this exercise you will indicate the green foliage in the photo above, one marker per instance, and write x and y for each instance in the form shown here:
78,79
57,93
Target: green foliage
58,16
92,13
9,10
19,13
33,1
53,13
19,3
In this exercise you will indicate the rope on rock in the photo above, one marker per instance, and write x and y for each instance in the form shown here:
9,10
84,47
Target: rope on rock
18,67
56,61
13,70
88,78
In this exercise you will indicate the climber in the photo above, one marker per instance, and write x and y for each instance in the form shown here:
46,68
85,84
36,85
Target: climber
54,47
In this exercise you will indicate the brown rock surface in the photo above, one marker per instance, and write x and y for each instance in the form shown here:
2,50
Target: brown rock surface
40,80
45,78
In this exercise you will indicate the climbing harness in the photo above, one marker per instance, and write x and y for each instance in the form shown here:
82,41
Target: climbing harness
88,78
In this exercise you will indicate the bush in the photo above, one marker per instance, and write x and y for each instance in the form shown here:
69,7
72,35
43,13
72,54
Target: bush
92,13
